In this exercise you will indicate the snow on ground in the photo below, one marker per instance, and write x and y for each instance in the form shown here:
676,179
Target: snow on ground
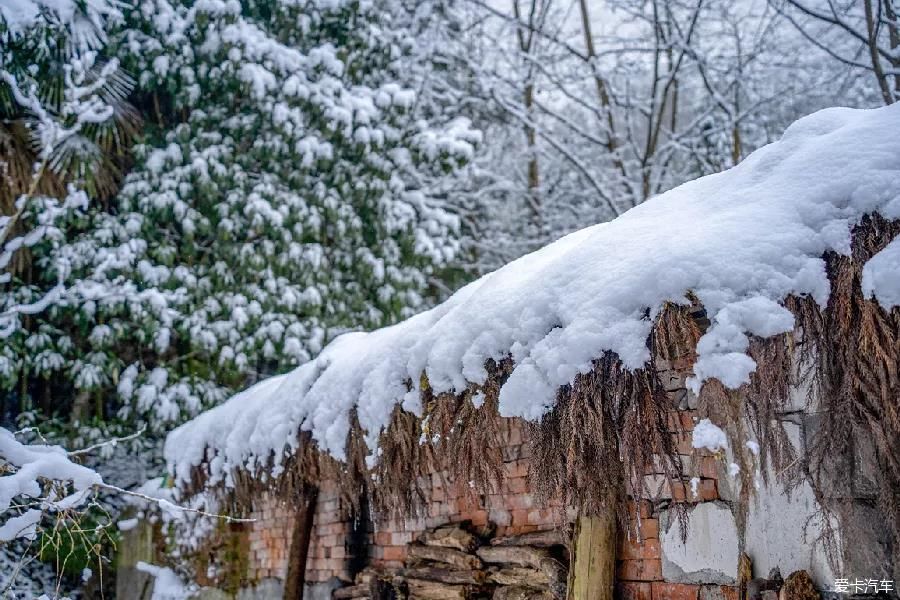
166,583
741,241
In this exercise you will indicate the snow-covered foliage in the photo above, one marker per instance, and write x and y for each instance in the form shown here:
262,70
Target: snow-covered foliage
739,241
39,479
28,471
666,92
36,216
293,202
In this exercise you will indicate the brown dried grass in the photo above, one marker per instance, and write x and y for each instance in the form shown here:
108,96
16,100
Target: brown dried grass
610,426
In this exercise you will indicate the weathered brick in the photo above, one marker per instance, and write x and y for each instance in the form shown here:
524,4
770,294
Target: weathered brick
639,570
519,502
382,538
674,591
680,491
518,468
649,528
511,453
634,549
515,436
519,517
500,517
632,590
401,538
394,553
709,467
641,507
683,443
517,485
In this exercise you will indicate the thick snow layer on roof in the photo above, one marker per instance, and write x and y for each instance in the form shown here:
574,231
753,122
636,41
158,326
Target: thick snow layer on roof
881,276
741,241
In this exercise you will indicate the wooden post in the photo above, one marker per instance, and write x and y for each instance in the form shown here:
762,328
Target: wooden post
300,537
135,546
594,561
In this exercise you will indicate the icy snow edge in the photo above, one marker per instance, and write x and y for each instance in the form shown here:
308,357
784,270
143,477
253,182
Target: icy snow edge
741,241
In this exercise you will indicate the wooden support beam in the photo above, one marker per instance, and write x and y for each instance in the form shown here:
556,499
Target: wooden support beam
300,537
594,561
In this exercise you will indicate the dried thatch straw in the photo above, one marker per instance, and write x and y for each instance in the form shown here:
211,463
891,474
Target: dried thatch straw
610,425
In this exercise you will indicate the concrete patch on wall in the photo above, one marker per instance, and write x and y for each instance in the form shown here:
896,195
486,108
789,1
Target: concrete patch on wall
783,529
710,553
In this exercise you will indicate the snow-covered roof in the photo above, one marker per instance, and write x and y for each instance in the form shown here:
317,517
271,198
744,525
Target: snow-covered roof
740,241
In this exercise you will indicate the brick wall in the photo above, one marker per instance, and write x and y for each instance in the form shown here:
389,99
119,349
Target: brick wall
270,536
513,510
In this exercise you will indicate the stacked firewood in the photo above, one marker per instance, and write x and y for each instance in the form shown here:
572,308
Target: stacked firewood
453,563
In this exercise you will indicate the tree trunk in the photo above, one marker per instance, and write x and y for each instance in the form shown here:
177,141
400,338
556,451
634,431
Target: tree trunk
594,561
300,536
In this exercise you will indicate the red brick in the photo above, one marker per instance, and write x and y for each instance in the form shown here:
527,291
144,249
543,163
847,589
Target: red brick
649,529
519,502
394,553
518,468
642,507
680,492
730,593
630,590
639,570
633,549
519,517
709,467
675,591
516,485
688,418
681,420
540,517
382,538
515,436
683,443
708,490
401,538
